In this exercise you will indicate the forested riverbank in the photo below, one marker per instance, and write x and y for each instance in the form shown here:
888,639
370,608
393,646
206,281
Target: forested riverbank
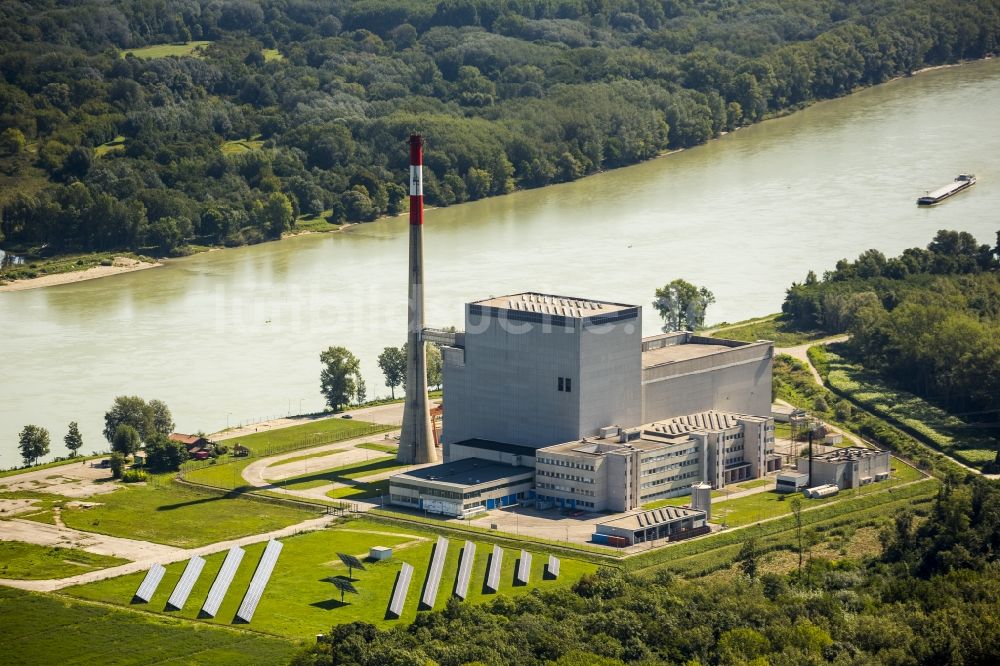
290,109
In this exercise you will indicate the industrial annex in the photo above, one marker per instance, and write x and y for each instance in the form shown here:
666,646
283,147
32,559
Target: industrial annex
559,402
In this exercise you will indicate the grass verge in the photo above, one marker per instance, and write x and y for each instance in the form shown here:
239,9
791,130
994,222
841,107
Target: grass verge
27,561
164,512
54,629
773,327
167,50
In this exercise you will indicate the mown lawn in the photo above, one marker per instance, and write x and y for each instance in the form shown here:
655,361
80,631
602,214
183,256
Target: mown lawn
27,561
54,629
680,500
299,601
168,513
166,50
760,506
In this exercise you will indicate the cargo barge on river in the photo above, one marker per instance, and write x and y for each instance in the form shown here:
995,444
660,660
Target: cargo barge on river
962,182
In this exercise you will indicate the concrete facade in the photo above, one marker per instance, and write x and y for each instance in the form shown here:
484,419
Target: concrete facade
533,369
684,373
626,468
462,488
850,467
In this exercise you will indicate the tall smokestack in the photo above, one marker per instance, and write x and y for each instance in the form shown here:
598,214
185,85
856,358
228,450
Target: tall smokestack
416,443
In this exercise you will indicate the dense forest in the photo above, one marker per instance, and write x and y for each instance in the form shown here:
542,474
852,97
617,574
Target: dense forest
929,319
277,109
931,597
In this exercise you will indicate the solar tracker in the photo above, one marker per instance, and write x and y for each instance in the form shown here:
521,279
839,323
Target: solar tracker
259,581
222,581
434,574
465,570
183,588
150,583
351,563
493,576
402,587
524,568
553,567
344,585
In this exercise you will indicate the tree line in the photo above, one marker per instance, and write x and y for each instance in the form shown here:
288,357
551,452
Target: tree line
928,320
341,382
300,107
929,598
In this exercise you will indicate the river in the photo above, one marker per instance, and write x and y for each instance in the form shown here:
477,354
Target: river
233,336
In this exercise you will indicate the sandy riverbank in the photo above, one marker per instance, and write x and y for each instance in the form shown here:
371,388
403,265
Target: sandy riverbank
120,265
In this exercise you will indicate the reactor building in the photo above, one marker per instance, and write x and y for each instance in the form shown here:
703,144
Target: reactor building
559,401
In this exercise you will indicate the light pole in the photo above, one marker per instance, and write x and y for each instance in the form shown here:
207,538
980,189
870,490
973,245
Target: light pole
300,406
228,414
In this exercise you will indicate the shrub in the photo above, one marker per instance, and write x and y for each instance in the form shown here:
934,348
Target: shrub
117,464
133,475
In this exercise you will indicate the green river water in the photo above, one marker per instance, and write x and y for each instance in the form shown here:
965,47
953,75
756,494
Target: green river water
233,336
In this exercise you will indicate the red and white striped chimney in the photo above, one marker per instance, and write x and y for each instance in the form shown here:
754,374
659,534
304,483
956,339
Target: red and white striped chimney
416,441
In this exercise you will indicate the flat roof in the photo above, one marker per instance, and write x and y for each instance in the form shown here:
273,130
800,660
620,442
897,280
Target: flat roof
567,306
682,352
503,447
653,518
848,453
465,472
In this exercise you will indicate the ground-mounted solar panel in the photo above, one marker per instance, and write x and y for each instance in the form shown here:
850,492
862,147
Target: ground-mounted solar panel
352,563
399,594
183,588
222,580
493,575
552,568
465,570
259,581
149,584
524,568
344,585
434,574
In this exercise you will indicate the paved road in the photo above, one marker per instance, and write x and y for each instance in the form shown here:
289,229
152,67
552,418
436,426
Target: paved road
799,352
43,534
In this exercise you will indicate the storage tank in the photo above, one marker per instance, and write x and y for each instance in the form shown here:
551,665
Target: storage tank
701,499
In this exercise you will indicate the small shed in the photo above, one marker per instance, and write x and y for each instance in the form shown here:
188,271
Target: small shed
379,553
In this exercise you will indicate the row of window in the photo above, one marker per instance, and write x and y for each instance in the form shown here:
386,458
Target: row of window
568,477
544,498
671,479
666,468
672,454
566,489
559,462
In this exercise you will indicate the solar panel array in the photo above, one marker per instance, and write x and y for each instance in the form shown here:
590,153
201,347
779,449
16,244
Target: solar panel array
149,584
344,585
402,587
434,575
183,588
493,576
553,567
259,581
222,581
351,562
465,570
524,568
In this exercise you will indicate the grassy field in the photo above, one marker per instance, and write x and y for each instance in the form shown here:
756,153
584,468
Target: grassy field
115,145
760,506
773,327
237,146
166,50
226,472
345,473
930,423
703,554
51,629
756,483
272,54
360,491
170,514
384,448
49,465
27,561
300,602
315,223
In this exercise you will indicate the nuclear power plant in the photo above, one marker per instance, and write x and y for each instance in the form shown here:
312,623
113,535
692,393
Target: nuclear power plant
559,402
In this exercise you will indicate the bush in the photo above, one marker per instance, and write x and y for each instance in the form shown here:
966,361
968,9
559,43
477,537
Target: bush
117,464
133,475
